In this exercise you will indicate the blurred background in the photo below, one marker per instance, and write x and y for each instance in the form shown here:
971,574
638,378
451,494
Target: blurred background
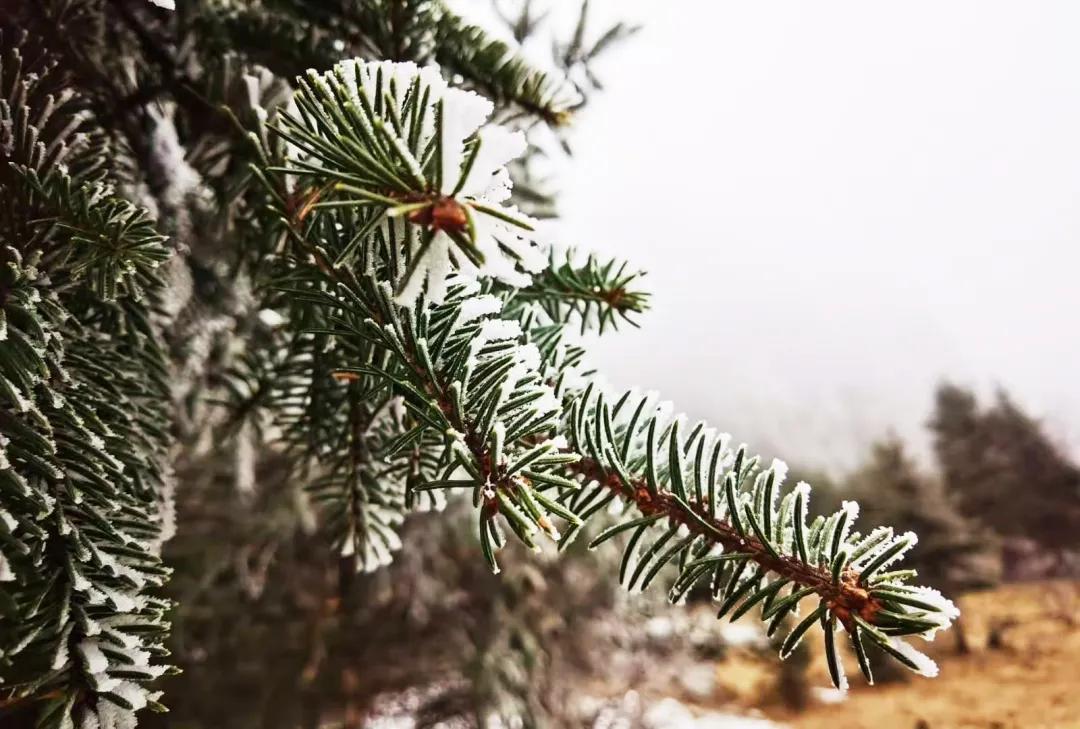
839,204
859,223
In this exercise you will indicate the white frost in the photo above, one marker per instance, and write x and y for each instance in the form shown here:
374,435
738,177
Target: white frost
924,665
93,658
131,693
499,329
438,266
780,468
547,403
497,147
910,537
477,307
944,613
852,509
463,113
79,583
944,605
123,601
112,716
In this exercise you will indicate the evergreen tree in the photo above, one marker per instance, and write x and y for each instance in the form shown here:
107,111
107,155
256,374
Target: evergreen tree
1003,470
353,294
954,552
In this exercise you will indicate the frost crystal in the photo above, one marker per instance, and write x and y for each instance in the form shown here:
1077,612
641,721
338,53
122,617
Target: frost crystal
943,604
910,539
781,470
924,665
477,307
494,330
944,613
112,716
852,509
93,657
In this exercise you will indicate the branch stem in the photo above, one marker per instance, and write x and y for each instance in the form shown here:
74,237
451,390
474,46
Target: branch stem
844,597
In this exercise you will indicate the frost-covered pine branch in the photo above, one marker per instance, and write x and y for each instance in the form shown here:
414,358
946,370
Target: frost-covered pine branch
537,441
352,290
84,481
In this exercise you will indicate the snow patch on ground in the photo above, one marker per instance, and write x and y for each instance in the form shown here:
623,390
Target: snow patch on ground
671,714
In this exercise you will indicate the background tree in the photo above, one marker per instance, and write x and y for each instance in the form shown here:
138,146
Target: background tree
955,554
1001,467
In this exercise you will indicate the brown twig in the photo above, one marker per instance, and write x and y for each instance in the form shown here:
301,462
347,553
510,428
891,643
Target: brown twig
845,598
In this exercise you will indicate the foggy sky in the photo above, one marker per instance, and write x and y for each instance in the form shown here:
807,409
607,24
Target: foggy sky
839,204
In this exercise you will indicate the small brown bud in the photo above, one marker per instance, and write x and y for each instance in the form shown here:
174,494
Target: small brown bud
446,214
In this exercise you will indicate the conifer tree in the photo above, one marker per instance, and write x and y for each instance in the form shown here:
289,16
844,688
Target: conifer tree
954,552
1003,470
294,224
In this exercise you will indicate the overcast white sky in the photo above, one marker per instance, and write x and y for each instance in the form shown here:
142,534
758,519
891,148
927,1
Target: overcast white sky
839,204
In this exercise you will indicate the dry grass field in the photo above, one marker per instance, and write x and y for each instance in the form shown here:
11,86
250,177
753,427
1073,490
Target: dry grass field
1022,671
1030,681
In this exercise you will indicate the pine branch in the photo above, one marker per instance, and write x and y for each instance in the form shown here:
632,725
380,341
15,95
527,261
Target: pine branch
407,338
392,143
285,37
83,422
493,396
454,372
98,237
493,68
575,55
595,294
722,514
439,380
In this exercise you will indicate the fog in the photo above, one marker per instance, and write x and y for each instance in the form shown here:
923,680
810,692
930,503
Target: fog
839,204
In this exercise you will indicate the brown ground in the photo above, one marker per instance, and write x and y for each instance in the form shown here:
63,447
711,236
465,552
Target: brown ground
1032,682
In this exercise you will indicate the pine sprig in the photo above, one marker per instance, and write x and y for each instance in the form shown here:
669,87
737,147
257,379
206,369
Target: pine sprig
396,143
596,294
717,517
495,69
470,389
350,441
97,236
468,382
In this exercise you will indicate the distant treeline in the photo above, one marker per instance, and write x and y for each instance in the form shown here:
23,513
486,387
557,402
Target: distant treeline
1003,501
